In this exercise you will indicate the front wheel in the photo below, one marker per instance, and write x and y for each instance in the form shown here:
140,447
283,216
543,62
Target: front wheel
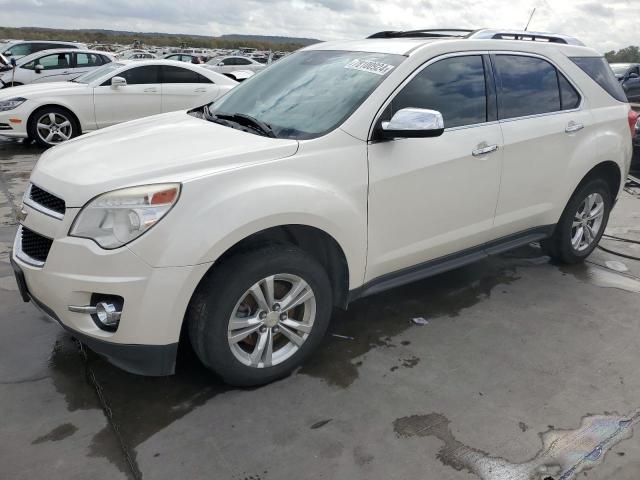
258,315
51,126
582,223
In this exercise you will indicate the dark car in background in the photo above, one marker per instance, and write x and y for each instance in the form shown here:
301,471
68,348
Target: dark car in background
629,76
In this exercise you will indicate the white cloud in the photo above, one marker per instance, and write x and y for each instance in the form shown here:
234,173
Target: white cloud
604,25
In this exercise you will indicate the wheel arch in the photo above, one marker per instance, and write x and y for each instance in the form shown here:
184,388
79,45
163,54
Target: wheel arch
314,241
609,171
56,105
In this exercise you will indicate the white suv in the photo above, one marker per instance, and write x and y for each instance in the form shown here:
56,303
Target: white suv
340,171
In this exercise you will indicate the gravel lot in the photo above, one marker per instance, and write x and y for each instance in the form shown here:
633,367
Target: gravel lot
522,370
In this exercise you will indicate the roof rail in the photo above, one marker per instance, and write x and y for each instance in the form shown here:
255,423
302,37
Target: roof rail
524,35
425,33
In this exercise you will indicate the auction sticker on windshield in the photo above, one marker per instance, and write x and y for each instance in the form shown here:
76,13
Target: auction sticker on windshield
370,66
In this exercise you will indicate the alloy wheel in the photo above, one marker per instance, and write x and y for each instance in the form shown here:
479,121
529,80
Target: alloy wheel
587,222
54,128
272,320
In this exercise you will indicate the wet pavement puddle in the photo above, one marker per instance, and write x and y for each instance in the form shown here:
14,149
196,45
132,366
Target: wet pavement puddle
564,453
603,277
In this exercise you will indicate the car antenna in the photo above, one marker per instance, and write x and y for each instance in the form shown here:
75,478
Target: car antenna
530,17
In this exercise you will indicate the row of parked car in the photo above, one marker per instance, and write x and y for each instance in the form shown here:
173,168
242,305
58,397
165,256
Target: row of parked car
39,62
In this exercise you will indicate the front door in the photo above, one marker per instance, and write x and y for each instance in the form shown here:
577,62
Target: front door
55,68
141,97
431,197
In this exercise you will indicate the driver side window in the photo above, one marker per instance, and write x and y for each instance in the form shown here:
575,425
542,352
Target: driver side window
453,86
58,61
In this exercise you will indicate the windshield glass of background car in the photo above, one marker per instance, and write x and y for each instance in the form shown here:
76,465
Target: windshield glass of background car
619,70
98,73
309,93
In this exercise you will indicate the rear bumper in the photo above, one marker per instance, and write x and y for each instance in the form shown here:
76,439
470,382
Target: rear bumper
150,360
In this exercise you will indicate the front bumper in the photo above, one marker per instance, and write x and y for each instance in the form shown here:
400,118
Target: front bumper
155,299
150,360
13,123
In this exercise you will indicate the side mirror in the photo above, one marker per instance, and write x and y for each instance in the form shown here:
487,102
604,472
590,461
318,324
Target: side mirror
8,53
633,75
413,123
221,64
39,68
118,82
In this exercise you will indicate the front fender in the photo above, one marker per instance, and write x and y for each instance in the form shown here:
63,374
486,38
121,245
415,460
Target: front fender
216,212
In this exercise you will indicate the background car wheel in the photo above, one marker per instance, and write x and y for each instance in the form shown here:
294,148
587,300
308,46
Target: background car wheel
51,126
582,223
259,314
9,85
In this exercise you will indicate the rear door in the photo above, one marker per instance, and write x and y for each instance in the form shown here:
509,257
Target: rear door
55,68
543,123
85,62
183,88
141,97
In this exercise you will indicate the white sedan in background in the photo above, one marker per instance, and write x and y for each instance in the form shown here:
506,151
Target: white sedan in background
57,65
230,64
52,113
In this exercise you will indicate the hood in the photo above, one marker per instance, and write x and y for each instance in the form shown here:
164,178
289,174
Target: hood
171,147
33,89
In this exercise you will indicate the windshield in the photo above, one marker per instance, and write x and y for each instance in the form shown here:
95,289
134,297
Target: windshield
98,73
308,93
619,69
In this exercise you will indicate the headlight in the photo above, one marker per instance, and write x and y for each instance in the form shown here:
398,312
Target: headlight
11,104
119,217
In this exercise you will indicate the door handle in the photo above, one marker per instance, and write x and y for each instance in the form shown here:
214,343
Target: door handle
573,127
150,90
200,90
484,150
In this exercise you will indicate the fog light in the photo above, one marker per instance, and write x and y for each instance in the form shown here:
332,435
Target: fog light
107,314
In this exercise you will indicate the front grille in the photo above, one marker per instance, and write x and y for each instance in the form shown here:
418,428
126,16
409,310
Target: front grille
35,245
47,199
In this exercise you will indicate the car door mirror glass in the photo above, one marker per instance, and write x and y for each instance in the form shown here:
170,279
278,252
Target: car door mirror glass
413,123
118,82
39,68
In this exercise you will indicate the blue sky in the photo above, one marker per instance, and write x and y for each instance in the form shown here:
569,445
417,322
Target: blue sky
604,25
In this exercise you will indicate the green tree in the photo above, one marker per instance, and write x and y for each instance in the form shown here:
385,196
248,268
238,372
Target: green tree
629,54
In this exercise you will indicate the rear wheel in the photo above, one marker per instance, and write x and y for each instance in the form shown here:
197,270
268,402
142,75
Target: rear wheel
257,316
51,126
582,223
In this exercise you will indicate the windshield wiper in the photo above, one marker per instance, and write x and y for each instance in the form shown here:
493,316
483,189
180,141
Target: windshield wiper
248,121
268,131
240,119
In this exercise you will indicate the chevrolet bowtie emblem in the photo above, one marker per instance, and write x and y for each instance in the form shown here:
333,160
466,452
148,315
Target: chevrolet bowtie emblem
21,215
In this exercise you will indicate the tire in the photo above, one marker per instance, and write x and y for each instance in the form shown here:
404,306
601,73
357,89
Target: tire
65,126
225,292
565,245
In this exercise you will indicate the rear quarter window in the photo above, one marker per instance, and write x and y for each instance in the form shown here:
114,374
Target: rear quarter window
600,71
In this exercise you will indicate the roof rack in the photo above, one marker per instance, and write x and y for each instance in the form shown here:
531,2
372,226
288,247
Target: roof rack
485,33
425,33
